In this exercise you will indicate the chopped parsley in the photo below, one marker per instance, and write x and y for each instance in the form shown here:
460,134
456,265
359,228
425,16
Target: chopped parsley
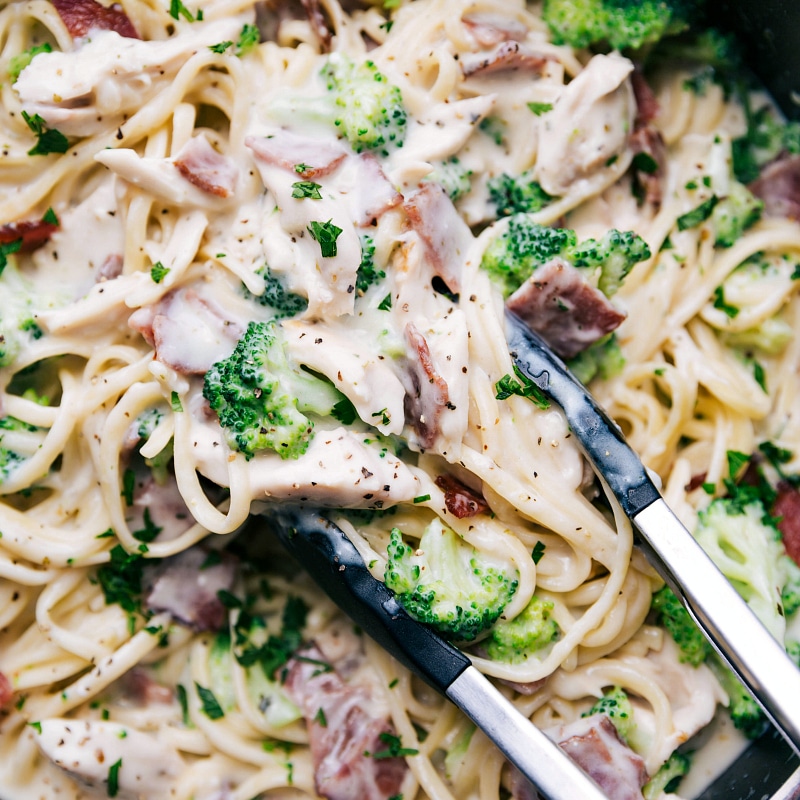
113,778
175,402
540,108
326,233
177,10
37,726
6,249
644,162
211,707
538,552
50,217
128,485
158,272
721,305
121,578
183,701
248,39
221,47
394,747
524,387
150,530
49,140
229,599
691,219
320,718
386,303
306,189
423,498
344,411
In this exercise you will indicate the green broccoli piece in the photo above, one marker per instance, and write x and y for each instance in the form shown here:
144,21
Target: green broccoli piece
734,214
453,177
282,302
615,254
367,274
603,360
513,641
370,111
668,777
770,337
622,24
745,713
766,138
670,614
9,461
616,705
793,650
790,593
261,398
511,258
518,195
446,583
18,62
740,538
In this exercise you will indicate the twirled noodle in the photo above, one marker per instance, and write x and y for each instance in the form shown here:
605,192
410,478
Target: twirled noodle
114,467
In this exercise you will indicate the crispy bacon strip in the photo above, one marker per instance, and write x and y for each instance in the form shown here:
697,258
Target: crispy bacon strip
779,187
6,691
377,193
341,731
558,303
648,140
647,107
33,232
787,507
186,586
305,156
489,30
82,16
594,745
506,57
444,235
461,501
205,168
427,395
144,690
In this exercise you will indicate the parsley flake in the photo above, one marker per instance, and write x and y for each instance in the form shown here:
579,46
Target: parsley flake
691,219
306,189
49,140
177,10
524,387
6,249
538,552
158,272
211,707
113,778
540,108
326,233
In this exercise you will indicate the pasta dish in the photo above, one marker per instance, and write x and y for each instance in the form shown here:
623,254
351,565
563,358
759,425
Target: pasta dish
259,252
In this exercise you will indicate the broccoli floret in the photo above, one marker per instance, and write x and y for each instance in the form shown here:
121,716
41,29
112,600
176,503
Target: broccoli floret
694,647
371,115
513,641
734,214
603,359
514,255
260,398
616,705
745,713
620,23
276,297
793,650
446,583
518,195
615,254
453,177
770,337
790,593
367,274
9,461
668,777
766,138
738,535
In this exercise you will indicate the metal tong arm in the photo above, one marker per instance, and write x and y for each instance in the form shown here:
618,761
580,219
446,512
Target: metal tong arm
727,621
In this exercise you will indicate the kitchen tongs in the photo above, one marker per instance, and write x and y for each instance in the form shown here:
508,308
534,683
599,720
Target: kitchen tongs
727,621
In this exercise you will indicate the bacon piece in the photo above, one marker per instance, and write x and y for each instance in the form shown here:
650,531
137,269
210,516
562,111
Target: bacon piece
519,786
647,107
427,394
82,16
6,691
529,688
779,187
595,746
205,168
376,193
461,501
505,57
695,482
110,268
186,586
144,690
188,331
489,30
444,235
33,232
342,771
787,507
302,155
318,22
648,140
569,313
